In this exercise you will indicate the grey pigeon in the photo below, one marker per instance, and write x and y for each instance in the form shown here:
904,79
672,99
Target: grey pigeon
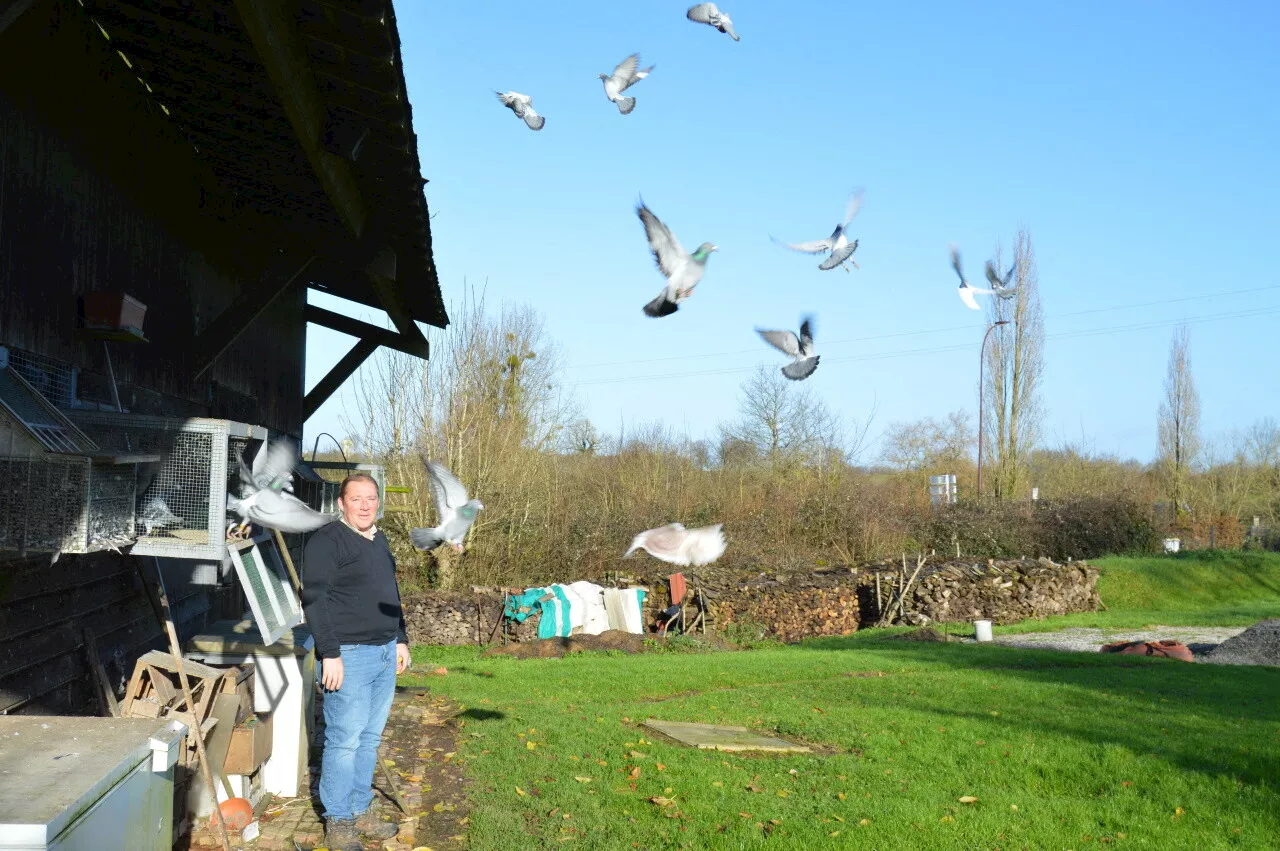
675,544
455,510
155,514
804,361
272,466
1000,286
273,509
707,13
682,270
522,106
967,290
624,77
838,243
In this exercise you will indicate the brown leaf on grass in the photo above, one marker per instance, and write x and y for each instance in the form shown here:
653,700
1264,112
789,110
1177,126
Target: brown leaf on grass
584,779
660,767
520,792
635,772
840,795
662,801
745,815
946,819
967,799
864,822
638,755
1126,783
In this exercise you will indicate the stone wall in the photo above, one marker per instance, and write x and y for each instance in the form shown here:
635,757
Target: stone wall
797,605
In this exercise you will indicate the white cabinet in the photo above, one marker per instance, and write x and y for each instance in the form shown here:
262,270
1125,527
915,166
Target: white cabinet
87,784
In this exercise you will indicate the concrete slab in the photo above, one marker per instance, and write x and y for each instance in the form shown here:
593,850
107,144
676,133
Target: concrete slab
722,737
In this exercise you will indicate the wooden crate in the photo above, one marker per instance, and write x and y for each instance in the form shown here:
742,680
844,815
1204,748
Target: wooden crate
250,745
239,679
154,690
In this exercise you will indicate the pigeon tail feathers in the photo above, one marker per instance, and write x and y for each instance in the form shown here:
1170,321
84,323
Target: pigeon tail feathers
661,306
425,539
625,105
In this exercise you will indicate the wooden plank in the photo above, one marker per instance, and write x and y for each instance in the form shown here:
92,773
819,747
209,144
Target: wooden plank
225,707
11,10
341,371
233,321
105,692
273,30
366,331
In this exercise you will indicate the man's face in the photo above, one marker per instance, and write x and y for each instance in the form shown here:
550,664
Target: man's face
360,505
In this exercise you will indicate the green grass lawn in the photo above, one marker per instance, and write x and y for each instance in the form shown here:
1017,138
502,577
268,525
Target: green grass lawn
1217,588
1060,750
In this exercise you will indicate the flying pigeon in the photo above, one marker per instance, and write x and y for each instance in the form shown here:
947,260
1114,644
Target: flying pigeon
272,466
967,290
678,545
1000,286
624,77
155,514
455,510
838,243
804,361
273,509
707,13
522,106
682,270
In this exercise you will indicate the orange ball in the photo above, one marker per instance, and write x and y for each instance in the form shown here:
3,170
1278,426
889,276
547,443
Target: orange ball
236,812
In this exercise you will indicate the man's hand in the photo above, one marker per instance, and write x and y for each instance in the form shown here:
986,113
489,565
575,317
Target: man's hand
331,673
403,660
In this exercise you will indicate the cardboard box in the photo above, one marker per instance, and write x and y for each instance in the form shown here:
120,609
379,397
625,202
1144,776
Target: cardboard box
113,310
250,745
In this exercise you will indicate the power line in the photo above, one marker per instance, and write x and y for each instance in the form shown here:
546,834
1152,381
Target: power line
932,350
896,334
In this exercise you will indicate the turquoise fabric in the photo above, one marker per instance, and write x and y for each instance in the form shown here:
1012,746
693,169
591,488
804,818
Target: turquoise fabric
554,621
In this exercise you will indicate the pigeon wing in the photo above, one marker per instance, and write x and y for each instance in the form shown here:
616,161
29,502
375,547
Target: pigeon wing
806,335
993,276
784,341
284,511
705,545
838,257
851,209
955,263
703,13
625,73
966,295
452,493
667,250
816,247
274,463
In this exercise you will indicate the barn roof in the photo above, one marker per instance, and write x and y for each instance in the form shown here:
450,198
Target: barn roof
299,110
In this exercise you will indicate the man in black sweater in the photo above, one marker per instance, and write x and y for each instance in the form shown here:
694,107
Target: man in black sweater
352,604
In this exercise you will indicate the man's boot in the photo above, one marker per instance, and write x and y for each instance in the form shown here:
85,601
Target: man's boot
372,827
342,835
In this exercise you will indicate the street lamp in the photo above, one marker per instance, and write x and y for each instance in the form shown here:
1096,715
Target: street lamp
982,361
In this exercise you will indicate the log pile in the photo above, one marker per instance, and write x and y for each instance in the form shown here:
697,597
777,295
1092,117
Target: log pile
802,604
1002,592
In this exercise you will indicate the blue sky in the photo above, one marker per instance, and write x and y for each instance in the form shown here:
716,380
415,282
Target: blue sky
1135,141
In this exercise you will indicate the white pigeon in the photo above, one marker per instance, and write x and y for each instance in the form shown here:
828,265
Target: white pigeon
522,106
274,509
1000,286
455,510
683,270
624,77
838,243
967,290
272,465
707,13
804,361
675,544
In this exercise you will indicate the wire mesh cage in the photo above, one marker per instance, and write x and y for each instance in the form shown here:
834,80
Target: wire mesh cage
70,504
181,501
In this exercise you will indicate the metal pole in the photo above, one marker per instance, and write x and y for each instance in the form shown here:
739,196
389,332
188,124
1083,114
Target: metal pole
982,362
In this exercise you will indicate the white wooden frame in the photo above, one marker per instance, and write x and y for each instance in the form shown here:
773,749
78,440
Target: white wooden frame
267,557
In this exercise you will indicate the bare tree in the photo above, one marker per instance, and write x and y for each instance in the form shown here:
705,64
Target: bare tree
1179,420
1015,369
783,422
929,443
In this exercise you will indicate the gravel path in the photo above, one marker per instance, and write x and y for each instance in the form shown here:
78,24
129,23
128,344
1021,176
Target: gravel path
1200,639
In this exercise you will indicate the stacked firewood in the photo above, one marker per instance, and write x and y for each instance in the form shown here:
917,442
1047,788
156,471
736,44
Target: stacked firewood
790,614
460,617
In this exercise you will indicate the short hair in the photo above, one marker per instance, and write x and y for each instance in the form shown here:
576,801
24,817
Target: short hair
355,477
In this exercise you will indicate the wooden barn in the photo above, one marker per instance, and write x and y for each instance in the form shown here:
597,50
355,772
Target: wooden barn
174,177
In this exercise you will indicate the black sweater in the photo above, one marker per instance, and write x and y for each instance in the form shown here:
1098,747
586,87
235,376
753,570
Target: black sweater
349,591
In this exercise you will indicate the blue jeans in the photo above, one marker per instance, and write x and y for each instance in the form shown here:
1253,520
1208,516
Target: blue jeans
354,716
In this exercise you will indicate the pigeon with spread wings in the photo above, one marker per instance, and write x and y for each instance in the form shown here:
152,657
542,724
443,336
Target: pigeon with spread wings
707,13
626,75
1000,286
838,244
455,510
522,106
675,544
682,270
967,290
800,347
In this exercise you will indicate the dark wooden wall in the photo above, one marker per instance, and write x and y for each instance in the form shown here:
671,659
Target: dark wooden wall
100,191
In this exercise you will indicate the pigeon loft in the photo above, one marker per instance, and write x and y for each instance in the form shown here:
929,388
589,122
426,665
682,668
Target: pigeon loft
197,467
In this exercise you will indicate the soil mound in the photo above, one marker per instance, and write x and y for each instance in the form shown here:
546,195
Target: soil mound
1257,645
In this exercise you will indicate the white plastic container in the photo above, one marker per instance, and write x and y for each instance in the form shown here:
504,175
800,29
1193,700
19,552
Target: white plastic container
86,783
1172,545
982,630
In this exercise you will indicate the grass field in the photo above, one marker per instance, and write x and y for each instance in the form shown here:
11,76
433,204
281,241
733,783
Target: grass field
917,746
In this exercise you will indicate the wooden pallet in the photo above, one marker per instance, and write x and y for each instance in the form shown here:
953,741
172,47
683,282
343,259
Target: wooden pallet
154,690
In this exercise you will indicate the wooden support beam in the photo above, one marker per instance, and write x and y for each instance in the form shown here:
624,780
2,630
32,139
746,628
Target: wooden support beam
11,10
341,371
393,304
232,322
273,29
365,331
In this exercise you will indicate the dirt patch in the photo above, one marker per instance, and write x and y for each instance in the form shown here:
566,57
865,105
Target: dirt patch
611,639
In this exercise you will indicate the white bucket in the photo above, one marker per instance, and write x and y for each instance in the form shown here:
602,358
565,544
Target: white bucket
982,630
1172,545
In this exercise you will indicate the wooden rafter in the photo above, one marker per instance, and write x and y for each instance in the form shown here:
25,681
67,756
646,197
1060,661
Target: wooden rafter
11,10
273,29
341,371
365,331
